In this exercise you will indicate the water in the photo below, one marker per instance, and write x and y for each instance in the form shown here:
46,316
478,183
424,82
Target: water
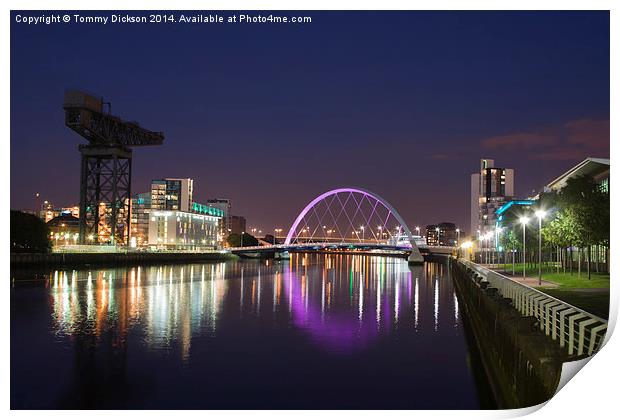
318,331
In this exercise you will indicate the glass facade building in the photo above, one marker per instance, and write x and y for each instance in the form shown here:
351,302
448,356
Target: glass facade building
442,234
172,194
183,230
168,218
140,210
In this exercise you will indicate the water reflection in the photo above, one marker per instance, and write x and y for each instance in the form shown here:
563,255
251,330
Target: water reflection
199,335
342,302
168,303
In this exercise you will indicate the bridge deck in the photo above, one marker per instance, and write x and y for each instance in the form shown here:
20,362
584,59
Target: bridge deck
361,246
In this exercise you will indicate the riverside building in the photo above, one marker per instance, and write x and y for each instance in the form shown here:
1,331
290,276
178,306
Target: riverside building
491,188
168,218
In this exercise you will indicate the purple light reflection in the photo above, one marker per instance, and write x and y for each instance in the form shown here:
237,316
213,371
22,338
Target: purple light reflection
341,332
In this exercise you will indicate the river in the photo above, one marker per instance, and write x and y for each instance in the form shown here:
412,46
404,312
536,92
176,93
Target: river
317,331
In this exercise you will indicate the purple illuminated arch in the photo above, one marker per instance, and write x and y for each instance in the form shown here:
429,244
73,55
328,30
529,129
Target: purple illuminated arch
388,206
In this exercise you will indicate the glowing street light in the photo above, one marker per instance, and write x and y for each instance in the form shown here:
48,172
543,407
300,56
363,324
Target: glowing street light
458,236
465,246
523,221
417,229
275,232
362,229
540,214
488,237
242,233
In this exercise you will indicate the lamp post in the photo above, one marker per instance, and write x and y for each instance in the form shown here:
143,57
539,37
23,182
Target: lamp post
417,229
485,240
540,214
242,233
458,236
362,229
498,231
491,257
524,221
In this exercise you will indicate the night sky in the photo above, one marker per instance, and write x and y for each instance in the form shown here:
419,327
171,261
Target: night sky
401,103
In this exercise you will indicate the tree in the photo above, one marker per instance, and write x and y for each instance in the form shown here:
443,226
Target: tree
234,240
562,230
589,205
29,233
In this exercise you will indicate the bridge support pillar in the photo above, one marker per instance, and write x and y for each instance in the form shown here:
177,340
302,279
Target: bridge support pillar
281,255
415,258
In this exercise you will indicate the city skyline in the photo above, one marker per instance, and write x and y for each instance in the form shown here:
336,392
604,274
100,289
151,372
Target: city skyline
380,110
322,210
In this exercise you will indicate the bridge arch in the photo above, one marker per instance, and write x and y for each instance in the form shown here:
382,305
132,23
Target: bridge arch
378,210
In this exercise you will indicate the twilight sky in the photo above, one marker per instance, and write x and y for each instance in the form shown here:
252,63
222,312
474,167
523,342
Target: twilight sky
401,103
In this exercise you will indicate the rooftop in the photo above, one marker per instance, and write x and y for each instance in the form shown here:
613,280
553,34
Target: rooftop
589,166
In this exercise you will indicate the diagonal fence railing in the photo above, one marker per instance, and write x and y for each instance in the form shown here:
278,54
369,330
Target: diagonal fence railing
576,330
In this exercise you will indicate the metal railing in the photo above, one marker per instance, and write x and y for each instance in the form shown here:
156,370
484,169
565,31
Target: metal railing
112,249
576,330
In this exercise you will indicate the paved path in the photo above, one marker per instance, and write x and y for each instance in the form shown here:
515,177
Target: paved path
528,281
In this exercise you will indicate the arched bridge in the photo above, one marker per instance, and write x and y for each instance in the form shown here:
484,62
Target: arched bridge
348,218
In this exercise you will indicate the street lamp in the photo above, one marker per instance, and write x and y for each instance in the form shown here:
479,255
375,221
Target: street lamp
362,229
523,221
242,233
540,214
465,247
458,236
498,231
417,229
487,237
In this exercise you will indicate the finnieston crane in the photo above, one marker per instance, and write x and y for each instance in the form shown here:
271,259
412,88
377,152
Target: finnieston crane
105,180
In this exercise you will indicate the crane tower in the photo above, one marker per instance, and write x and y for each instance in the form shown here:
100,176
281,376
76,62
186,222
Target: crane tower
105,179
